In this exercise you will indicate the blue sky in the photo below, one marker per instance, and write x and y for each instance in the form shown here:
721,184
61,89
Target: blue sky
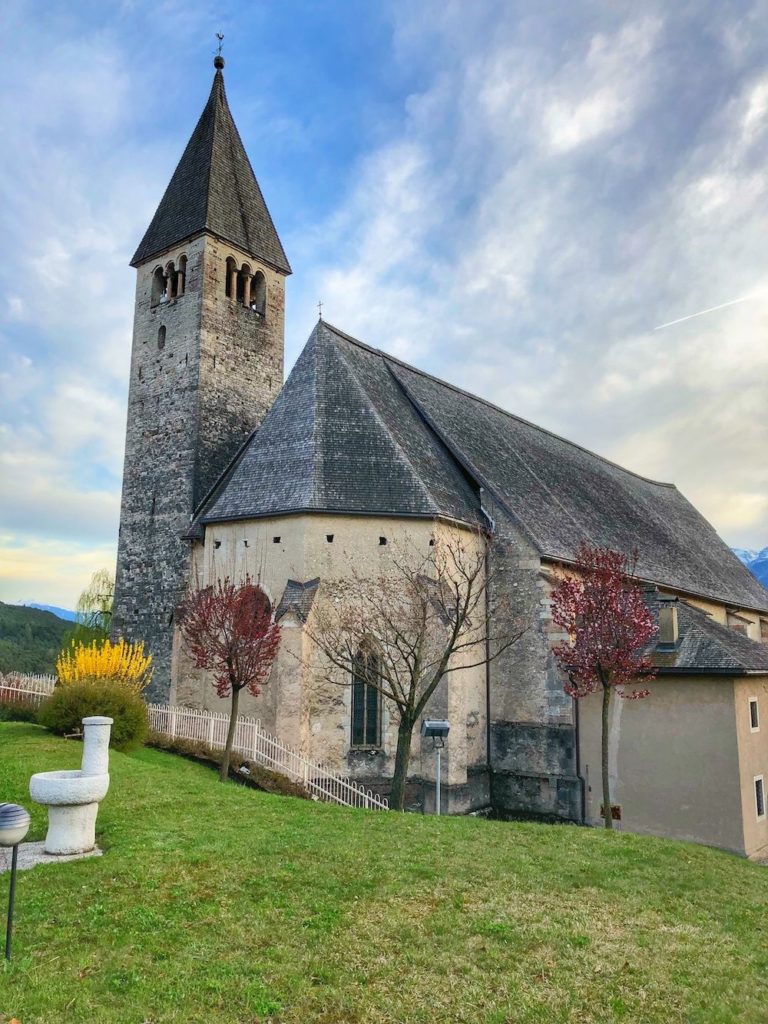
512,196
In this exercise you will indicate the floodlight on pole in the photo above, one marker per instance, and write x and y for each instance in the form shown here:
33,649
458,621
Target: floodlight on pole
437,729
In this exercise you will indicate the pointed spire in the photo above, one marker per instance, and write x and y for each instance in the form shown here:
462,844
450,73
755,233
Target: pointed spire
214,189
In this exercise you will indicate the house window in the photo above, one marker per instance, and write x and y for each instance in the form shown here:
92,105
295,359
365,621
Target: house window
754,715
366,700
764,630
759,797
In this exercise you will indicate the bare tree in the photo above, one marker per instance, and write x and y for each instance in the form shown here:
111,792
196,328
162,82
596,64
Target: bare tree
404,631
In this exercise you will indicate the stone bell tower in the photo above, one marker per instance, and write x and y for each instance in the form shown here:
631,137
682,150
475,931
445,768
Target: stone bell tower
206,365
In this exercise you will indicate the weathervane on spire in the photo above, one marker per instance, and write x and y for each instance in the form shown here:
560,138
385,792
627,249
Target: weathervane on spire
218,60
320,310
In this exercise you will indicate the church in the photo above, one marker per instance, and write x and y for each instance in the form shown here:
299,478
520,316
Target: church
230,471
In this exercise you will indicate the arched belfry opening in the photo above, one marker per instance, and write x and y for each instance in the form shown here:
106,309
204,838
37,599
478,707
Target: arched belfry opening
158,287
244,285
230,282
259,294
181,276
170,282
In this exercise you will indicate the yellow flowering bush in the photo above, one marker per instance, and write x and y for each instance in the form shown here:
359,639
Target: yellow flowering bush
121,662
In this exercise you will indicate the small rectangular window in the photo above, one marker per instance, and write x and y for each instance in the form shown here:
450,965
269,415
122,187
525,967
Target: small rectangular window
275,540
754,715
329,538
759,797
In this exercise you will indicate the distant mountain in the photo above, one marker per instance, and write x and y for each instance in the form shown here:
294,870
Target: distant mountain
755,561
62,613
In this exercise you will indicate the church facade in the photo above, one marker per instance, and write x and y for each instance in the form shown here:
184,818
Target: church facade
357,457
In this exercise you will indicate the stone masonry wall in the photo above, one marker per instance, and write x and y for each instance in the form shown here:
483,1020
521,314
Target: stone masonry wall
191,404
533,750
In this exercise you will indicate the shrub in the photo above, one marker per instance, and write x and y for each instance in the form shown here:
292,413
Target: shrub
18,709
121,662
68,705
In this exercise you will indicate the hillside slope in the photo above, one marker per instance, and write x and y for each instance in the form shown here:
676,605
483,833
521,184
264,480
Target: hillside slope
30,639
223,905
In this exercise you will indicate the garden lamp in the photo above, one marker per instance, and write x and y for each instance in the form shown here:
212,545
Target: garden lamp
14,825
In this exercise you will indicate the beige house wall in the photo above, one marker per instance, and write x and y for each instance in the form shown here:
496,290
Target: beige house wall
753,758
724,614
674,761
298,704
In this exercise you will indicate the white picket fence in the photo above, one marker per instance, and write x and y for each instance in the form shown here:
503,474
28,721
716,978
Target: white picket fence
255,743
210,728
29,688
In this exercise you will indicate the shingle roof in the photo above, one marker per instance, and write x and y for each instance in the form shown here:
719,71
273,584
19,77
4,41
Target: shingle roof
343,437
706,646
562,494
354,430
297,598
214,189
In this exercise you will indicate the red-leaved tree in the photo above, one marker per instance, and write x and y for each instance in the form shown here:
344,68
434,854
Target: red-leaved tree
231,631
600,606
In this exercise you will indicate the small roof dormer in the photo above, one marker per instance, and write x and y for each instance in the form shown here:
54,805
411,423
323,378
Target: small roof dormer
214,189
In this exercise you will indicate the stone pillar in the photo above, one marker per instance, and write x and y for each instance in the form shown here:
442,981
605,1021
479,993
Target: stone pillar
233,283
247,290
96,731
180,282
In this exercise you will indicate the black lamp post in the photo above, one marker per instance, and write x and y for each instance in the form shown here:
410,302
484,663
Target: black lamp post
14,825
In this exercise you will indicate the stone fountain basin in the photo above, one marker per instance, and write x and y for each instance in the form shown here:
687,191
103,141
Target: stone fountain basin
68,788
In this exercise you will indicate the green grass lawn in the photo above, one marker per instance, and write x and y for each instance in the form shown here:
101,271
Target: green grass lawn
220,905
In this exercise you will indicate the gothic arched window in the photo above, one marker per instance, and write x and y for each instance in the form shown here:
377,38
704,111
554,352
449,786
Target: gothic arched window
158,286
366,699
259,294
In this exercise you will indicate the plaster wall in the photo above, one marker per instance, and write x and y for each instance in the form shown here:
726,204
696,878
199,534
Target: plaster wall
753,760
299,704
673,758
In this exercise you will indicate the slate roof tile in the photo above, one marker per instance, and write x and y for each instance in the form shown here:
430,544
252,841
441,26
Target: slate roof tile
707,646
343,437
214,189
355,430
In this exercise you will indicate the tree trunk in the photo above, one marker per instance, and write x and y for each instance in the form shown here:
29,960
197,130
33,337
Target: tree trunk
402,757
225,757
607,819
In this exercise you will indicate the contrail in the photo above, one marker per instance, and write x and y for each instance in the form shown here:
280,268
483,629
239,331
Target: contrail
701,312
